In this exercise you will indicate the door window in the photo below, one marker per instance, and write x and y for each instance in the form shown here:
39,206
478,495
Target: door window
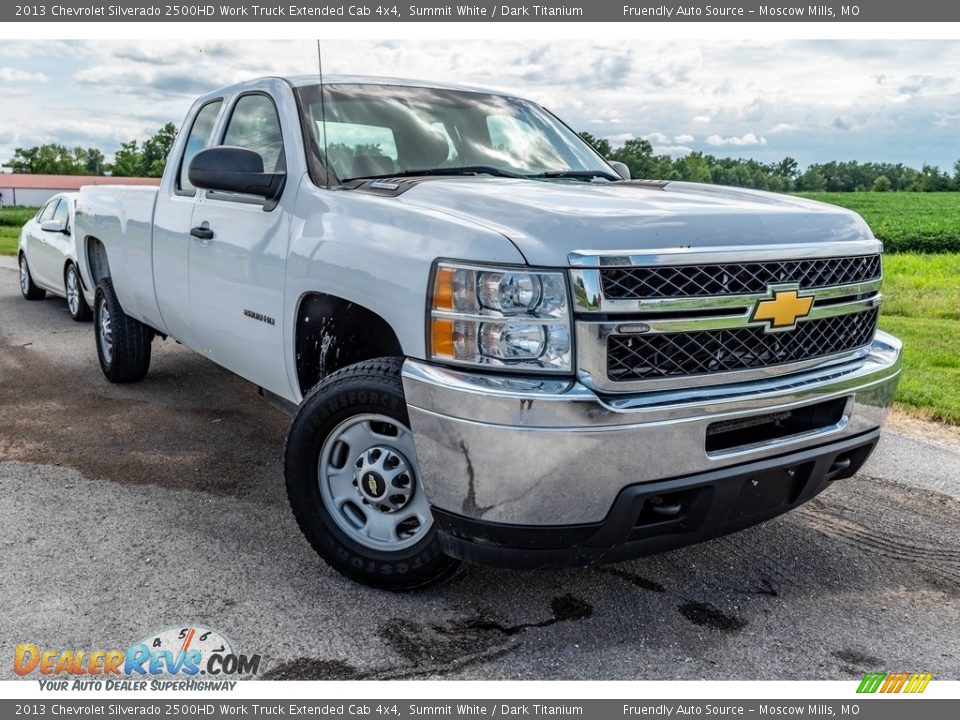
200,135
62,214
47,212
254,125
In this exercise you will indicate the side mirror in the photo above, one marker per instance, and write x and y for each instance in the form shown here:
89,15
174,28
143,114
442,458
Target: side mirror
52,226
234,169
621,168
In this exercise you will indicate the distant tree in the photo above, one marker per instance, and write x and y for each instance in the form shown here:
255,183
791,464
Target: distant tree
156,149
601,145
94,162
956,175
881,184
147,160
812,180
931,179
695,167
49,159
787,169
637,154
128,161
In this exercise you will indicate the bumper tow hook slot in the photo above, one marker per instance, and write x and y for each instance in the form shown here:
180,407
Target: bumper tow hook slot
663,508
839,465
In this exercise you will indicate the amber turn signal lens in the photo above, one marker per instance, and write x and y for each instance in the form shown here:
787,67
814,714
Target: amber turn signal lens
441,337
443,289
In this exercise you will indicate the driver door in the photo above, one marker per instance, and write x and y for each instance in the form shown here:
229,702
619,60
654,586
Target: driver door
238,256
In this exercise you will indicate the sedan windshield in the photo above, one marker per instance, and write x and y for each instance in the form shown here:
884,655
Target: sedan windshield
377,131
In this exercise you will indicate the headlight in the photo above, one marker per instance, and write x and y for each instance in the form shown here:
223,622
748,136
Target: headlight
506,317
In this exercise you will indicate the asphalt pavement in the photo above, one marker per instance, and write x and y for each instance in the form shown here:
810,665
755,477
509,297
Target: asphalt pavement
127,509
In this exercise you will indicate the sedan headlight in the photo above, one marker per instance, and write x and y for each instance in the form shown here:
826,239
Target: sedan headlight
502,317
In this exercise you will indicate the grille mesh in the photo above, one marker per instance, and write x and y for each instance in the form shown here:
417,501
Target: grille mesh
641,357
632,283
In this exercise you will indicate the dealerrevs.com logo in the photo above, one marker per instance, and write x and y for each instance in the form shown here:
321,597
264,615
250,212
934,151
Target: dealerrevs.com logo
178,658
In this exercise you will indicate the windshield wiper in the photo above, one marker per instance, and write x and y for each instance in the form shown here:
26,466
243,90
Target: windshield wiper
462,170
574,174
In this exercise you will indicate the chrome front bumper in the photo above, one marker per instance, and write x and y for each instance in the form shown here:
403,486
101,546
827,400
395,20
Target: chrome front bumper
552,452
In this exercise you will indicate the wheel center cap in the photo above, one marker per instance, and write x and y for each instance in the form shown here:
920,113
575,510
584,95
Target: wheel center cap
372,485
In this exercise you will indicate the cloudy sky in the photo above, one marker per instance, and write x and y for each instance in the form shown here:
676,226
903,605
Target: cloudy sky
896,101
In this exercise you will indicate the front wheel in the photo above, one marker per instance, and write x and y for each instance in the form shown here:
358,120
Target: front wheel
76,303
354,485
123,344
28,288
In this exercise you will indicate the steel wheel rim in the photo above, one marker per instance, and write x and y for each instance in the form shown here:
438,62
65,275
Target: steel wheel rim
370,483
73,292
105,332
24,276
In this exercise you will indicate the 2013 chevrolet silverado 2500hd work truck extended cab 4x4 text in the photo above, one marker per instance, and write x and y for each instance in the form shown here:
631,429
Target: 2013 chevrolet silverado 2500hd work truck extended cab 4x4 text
498,348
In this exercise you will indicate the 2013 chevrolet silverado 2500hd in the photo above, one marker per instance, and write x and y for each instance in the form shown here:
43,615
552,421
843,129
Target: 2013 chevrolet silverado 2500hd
498,347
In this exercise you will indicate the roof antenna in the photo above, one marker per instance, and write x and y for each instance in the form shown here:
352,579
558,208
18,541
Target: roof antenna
323,117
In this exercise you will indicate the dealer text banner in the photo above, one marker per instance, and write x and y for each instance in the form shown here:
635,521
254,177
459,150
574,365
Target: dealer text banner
410,709
636,11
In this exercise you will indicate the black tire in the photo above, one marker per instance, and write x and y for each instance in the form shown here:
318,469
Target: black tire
28,288
129,347
369,387
82,311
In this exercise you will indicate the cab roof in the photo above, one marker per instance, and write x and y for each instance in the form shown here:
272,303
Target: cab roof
333,79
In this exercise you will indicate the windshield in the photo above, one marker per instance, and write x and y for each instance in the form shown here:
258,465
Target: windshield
388,130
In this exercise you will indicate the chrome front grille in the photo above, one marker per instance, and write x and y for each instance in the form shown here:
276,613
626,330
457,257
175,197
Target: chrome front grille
684,281
641,357
677,318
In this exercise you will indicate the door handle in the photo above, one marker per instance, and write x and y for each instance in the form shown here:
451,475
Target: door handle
202,233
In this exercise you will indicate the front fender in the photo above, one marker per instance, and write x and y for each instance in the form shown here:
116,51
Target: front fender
378,253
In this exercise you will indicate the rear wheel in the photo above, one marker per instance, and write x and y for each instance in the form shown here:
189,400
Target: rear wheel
27,287
123,344
76,303
354,484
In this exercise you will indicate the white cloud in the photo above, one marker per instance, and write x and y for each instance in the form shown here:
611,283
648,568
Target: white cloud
619,138
657,138
811,100
672,150
8,74
742,141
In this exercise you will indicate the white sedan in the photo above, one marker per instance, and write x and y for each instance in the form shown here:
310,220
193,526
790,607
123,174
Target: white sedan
47,256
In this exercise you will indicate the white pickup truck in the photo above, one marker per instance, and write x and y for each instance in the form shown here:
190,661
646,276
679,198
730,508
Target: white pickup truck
497,347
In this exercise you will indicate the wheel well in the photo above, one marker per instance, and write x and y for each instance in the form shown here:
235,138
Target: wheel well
333,333
97,260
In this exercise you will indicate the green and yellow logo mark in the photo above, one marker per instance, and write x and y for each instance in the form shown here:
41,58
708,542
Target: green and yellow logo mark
894,682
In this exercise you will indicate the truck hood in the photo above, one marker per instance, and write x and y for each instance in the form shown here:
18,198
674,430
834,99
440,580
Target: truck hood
547,220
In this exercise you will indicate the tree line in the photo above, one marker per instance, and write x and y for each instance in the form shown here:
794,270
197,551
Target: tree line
782,176
133,159
147,159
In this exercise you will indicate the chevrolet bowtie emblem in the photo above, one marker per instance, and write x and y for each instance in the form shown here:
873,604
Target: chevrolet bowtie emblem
782,310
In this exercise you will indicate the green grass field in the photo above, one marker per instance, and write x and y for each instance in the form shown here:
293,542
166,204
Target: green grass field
921,291
922,307
906,221
11,220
